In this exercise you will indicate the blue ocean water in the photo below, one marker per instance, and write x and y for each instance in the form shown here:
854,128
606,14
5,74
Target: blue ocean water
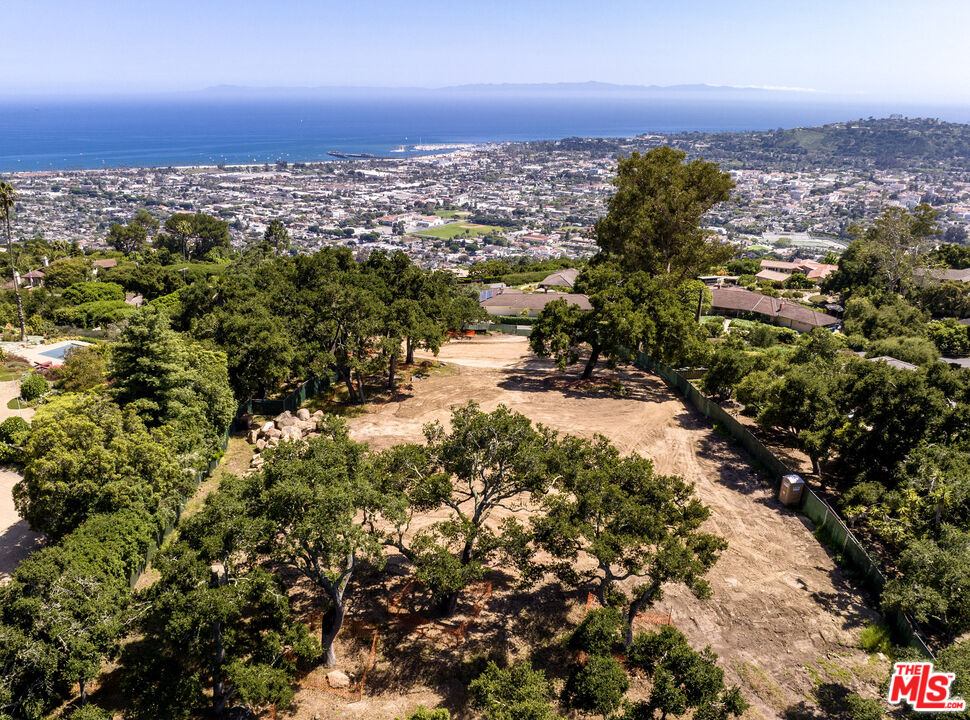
92,133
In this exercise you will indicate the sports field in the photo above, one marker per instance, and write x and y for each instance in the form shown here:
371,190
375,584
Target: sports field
456,229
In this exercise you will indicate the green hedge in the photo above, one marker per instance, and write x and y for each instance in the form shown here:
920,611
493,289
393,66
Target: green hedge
92,314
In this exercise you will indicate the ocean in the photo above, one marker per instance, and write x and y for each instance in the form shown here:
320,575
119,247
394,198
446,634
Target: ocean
150,132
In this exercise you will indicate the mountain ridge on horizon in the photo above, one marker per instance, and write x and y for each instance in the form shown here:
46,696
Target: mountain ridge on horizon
590,86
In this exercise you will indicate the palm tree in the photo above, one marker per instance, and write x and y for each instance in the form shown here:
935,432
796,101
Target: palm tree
8,196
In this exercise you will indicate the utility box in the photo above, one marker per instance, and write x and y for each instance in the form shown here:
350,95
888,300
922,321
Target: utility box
791,490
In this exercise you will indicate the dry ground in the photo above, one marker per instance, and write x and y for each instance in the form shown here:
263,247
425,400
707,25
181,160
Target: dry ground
783,617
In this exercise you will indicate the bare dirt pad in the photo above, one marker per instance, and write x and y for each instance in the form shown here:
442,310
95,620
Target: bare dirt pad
783,617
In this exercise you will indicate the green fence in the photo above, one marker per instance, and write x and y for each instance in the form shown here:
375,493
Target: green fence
292,402
829,528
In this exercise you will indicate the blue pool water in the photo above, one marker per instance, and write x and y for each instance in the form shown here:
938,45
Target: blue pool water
58,353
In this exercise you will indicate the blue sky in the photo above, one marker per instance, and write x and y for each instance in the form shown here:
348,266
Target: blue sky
887,48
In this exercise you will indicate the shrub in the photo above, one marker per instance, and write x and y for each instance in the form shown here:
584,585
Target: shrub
859,708
598,686
951,338
90,712
514,692
422,713
85,292
762,335
916,350
876,638
599,632
786,335
14,430
33,386
93,314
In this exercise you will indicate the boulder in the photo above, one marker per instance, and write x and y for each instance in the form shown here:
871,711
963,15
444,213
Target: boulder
292,432
260,444
303,414
338,679
285,419
317,415
306,425
273,433
273,442
253,436
267,426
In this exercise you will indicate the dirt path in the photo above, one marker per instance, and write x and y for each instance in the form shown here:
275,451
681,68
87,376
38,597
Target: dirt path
16,538
783,617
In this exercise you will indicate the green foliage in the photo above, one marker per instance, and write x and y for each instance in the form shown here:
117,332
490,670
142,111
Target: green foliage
93,314
618,518
798,280
61,615
950,337
130,238
915,350
876,638
935,581
169,382
86,455
652,222
83,369
33,386
885,255
596,687
955,658
90,712
629,310
485,461
517,692
744,266
729,364
66,272
682,679
193,236
422,713
317,504
860,708
14,430
85,292
599,632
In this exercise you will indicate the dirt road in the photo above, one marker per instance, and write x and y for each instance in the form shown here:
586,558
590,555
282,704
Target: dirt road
783,617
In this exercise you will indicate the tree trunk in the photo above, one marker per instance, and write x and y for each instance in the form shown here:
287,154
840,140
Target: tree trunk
217,579
642,601
351,389
409,351
390,372
360,389
594,356
332,622
816,468
83,688
16,285
448,604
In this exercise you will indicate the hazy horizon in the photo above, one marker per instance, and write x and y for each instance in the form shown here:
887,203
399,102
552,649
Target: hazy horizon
836,49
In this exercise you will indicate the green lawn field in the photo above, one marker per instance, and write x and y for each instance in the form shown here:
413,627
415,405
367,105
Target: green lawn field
453,230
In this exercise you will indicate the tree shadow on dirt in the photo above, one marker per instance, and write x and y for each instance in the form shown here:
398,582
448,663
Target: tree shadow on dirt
831,704
512,620
623,384
849,601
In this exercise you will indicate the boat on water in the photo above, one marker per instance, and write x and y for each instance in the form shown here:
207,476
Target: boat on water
337,154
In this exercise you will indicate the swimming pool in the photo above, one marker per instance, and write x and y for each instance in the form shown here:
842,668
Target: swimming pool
58,353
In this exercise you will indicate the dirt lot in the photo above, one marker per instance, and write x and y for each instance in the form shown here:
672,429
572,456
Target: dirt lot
783,617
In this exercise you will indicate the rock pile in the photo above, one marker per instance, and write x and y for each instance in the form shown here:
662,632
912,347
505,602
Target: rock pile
284,427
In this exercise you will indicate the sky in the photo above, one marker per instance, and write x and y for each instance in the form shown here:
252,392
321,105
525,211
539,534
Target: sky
871,48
